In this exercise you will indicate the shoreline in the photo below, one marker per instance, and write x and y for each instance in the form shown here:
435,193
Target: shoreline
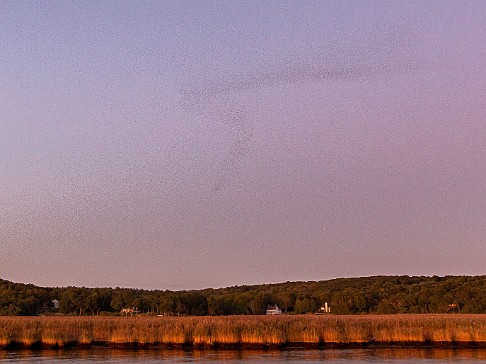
244,332
135,346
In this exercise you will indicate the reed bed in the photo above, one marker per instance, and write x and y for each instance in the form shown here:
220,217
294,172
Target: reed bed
243,331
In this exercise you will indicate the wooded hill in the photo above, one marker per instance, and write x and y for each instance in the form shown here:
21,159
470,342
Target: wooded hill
378,294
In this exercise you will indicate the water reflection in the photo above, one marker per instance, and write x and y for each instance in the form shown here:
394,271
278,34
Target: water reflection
375,355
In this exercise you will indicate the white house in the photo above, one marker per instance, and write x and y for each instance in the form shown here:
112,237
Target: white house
130,311
273,310
325,308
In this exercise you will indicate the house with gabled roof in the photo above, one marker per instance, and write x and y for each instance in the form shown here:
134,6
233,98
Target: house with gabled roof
273,310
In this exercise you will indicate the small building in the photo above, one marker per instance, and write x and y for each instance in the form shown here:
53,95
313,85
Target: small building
130,311
454,307
51,306
273,310
325,309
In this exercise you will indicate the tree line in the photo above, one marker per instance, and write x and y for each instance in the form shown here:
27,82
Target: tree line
378,294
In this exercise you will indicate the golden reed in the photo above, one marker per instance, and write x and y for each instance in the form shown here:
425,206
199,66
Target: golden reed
242,331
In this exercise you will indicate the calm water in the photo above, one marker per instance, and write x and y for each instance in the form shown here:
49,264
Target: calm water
379,355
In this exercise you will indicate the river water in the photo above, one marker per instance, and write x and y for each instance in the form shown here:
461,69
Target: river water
369,355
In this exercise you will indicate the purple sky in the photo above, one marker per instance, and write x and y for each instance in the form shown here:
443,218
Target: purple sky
193,144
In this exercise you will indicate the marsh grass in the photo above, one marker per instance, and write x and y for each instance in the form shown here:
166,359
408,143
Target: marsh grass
242,331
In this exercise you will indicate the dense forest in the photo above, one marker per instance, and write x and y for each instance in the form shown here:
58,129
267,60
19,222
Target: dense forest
378,294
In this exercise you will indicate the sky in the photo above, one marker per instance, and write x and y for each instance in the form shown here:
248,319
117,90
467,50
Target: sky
193,144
